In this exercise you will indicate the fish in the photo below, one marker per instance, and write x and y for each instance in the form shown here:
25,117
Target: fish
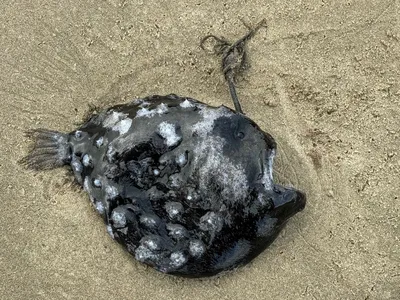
185,187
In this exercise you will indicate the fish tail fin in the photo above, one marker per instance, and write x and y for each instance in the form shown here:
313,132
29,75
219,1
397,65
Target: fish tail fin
50,150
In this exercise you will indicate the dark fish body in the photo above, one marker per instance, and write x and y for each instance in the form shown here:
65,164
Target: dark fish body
185,187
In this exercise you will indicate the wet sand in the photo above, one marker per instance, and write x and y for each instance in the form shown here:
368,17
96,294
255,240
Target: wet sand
324,81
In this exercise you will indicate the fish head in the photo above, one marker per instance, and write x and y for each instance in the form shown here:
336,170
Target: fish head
253,149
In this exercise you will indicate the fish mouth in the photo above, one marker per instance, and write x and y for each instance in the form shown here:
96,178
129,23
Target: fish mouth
293,196
287,201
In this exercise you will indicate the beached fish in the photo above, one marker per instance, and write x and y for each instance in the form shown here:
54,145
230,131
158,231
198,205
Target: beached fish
187,188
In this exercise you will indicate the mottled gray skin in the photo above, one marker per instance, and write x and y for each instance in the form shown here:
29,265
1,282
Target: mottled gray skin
185,187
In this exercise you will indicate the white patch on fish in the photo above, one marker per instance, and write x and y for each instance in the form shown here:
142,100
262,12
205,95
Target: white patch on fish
168,132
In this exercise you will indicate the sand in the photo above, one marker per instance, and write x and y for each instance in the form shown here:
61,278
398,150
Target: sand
324,81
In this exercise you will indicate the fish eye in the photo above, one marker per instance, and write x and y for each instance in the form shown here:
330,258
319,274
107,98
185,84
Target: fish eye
240,135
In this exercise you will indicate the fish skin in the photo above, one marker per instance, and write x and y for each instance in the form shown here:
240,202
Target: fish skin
185,187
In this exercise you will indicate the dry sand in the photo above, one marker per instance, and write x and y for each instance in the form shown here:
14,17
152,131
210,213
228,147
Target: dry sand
324,81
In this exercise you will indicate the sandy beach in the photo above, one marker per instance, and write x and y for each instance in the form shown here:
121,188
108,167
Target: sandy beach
324,80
